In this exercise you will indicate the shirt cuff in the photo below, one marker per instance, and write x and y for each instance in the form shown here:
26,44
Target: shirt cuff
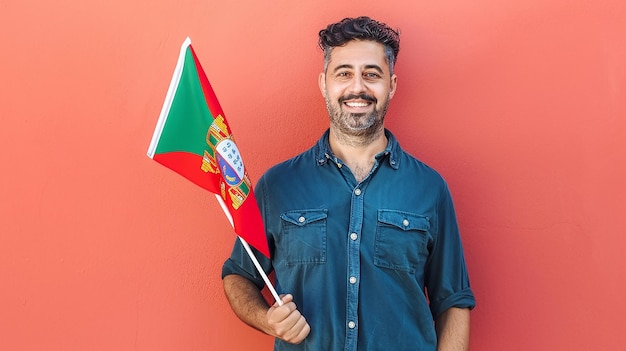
230,267
461,299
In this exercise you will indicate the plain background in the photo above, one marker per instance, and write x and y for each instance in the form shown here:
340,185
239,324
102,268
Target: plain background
520,104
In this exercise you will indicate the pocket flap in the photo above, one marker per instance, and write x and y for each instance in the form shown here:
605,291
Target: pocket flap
303,217
404,220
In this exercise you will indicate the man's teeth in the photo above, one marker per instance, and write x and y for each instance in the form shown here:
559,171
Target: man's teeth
357,104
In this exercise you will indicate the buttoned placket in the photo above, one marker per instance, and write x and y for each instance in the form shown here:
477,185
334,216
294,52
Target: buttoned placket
354,243
353,278
354,267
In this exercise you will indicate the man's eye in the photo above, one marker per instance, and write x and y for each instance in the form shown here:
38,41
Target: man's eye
372,75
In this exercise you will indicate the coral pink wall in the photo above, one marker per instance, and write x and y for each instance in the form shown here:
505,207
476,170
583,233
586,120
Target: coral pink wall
520,104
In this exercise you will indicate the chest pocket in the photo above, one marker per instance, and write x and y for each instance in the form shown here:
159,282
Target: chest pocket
304,233
401,240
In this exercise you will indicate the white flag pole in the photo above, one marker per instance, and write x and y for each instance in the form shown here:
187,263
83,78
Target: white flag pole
266,279
260,270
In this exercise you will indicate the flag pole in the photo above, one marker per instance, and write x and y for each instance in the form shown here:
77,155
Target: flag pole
259,269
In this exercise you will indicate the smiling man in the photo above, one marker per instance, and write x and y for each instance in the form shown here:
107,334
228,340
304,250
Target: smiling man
357,86
364,239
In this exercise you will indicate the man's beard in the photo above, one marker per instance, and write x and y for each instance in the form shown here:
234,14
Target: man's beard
356,124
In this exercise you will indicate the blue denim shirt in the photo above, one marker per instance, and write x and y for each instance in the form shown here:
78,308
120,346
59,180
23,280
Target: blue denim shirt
359,257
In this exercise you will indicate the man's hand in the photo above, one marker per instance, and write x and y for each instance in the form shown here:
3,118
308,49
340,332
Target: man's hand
286,322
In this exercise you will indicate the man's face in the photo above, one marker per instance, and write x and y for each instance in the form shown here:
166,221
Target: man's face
357,87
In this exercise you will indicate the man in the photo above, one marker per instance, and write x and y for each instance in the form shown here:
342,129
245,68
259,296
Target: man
364,240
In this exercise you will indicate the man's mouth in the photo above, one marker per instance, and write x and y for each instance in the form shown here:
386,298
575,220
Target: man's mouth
357,104
357,101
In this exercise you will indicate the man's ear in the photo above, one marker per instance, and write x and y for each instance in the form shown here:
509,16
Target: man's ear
394,85
321,81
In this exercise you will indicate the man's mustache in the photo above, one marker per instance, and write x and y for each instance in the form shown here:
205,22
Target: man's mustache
365,97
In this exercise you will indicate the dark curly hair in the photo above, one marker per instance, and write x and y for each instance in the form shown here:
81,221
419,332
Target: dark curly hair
361,28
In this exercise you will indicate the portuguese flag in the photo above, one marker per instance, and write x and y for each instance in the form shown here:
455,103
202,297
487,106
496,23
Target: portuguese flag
192,137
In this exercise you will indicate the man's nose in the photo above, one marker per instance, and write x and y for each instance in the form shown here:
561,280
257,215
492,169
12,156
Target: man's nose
357,85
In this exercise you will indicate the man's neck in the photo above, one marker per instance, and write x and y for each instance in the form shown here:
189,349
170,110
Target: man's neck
358,153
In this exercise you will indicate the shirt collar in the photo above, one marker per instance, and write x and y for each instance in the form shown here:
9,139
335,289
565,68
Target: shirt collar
323,153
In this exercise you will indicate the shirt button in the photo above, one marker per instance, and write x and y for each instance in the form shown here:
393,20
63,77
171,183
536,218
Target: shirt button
357,192
352,280
301,219
405,222
351,325
353,236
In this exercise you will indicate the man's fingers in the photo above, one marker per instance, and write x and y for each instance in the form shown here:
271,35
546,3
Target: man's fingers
277,314
298,329
304,330
285,299
287,322
284,318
